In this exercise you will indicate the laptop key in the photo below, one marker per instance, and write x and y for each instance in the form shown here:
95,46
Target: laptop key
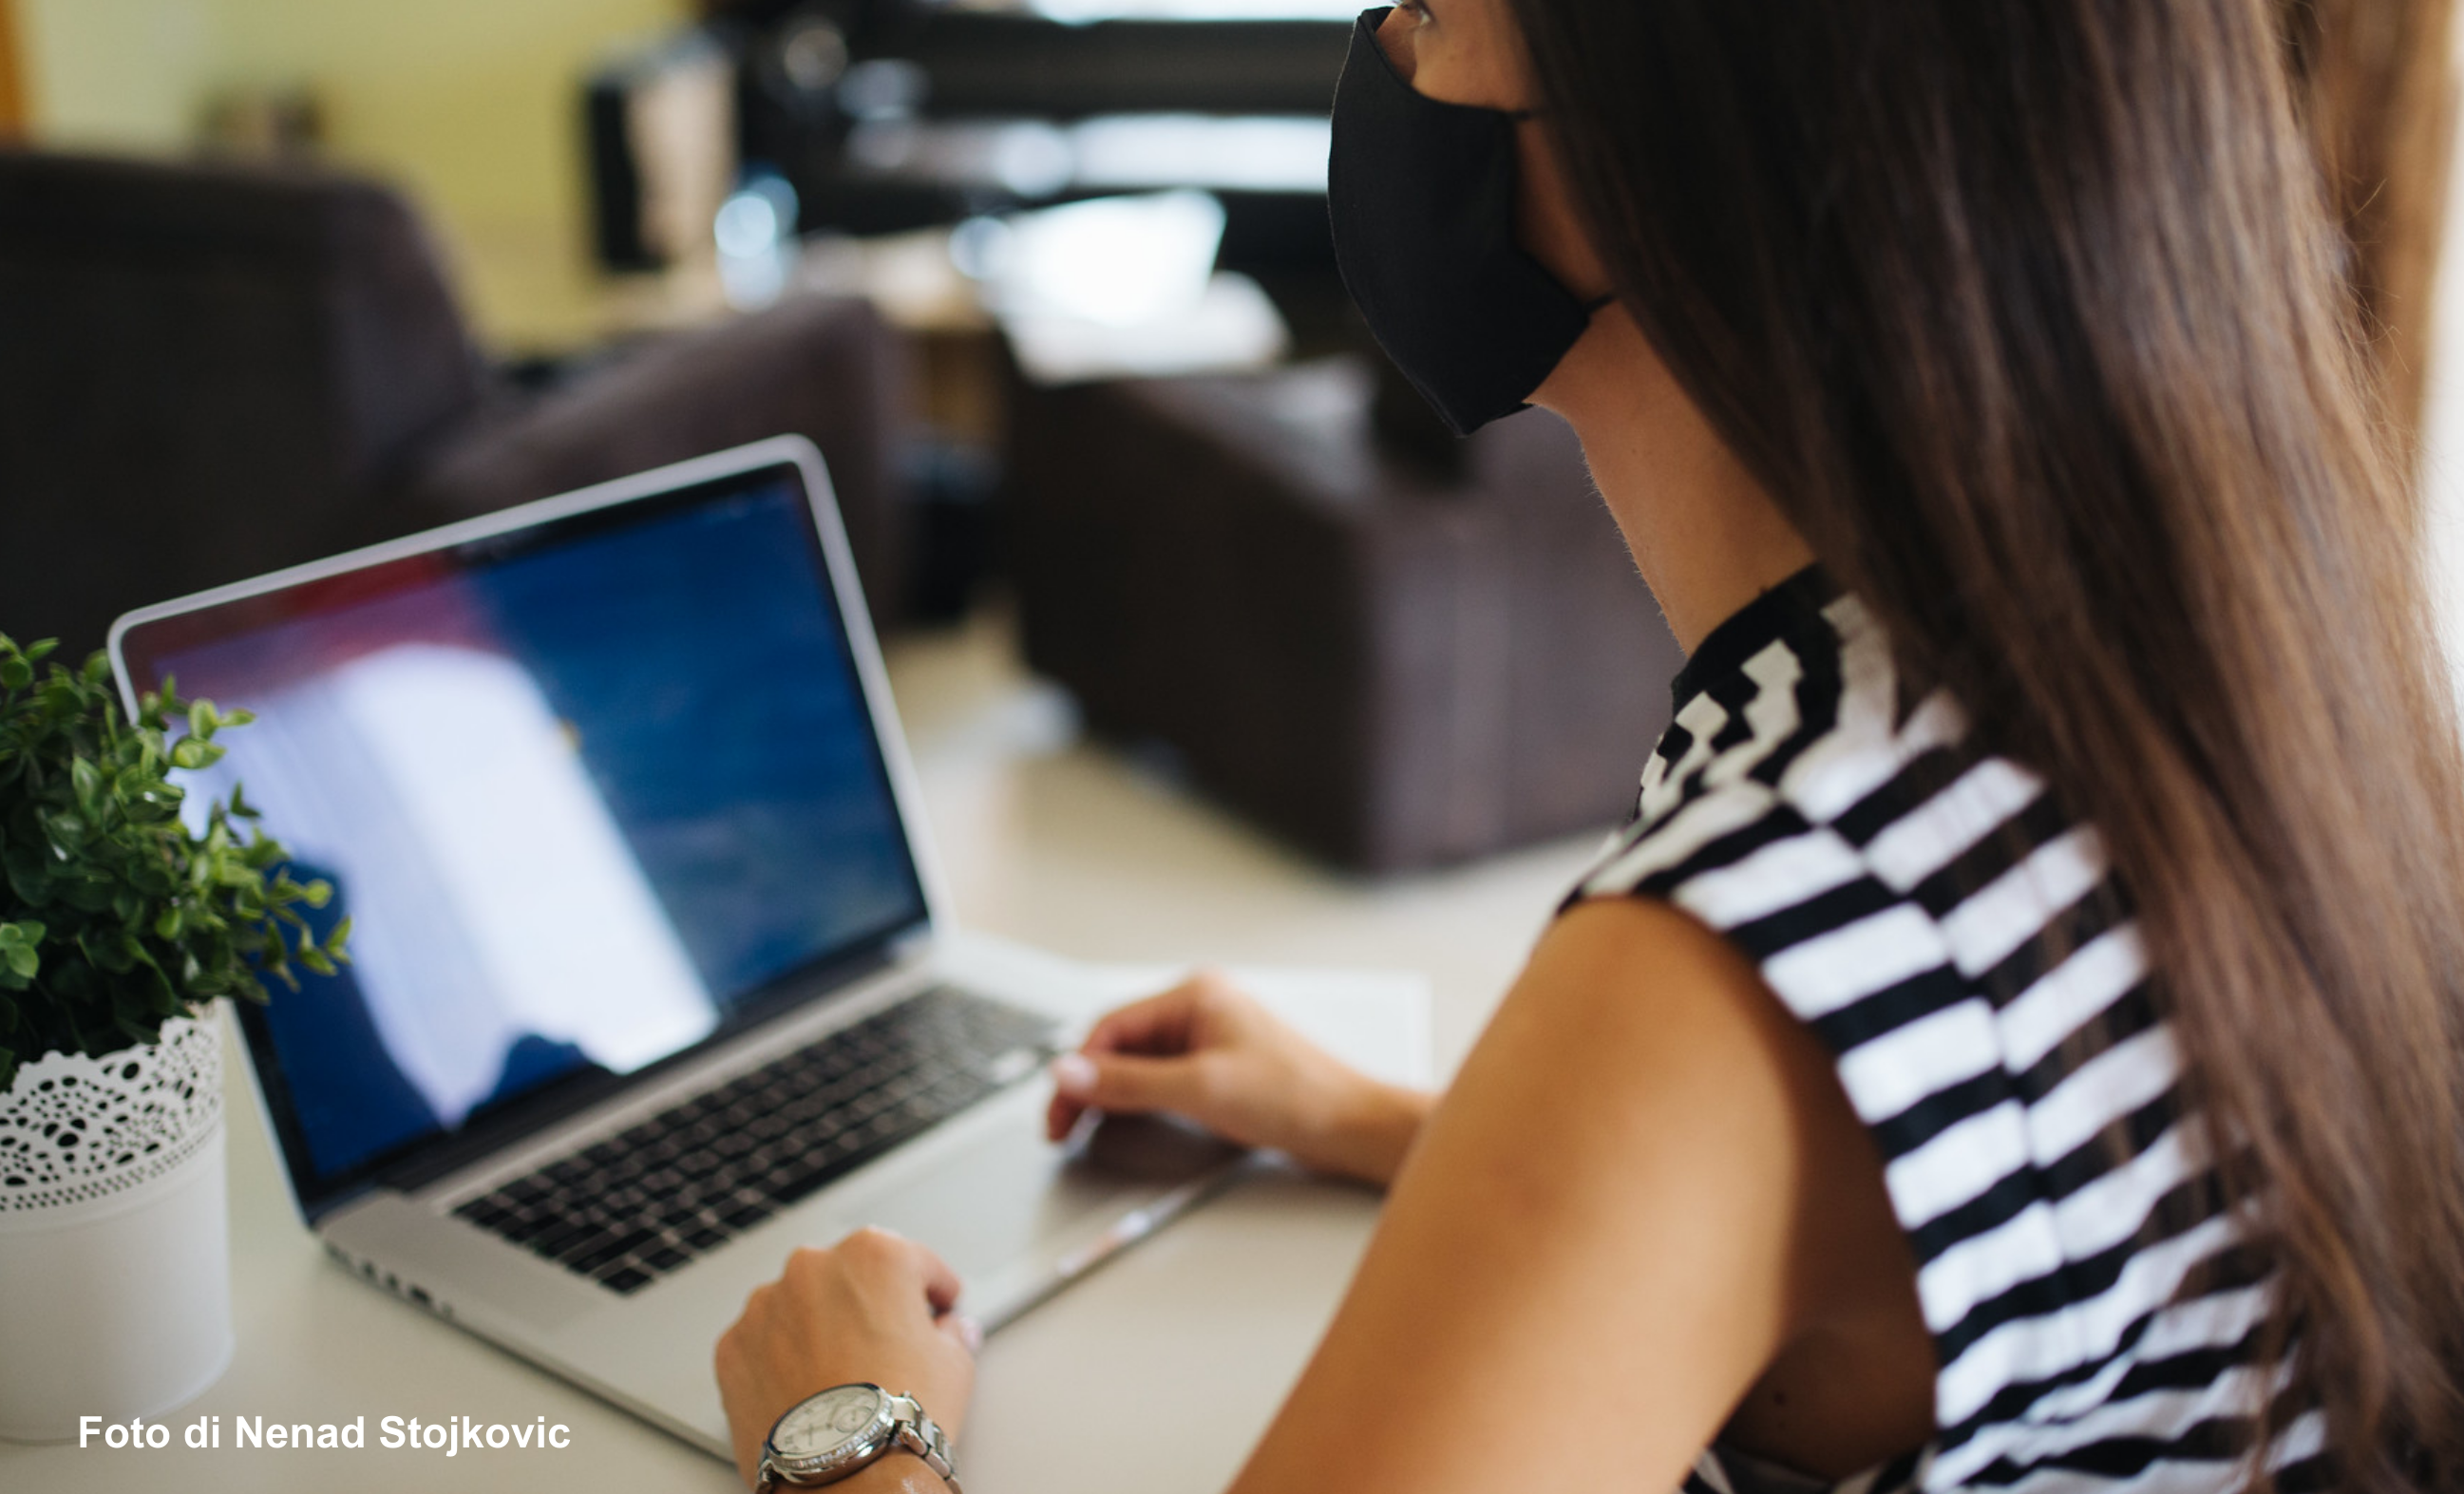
687,1179
559,1242
608,1250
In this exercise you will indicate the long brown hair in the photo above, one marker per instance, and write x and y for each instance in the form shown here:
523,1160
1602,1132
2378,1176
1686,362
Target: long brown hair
2028,313
2374,85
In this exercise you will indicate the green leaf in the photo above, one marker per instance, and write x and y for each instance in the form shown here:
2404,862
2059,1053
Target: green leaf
145,918
15,674
108,954
66,832
29,877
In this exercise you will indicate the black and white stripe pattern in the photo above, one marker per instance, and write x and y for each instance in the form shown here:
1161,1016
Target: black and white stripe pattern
1957,941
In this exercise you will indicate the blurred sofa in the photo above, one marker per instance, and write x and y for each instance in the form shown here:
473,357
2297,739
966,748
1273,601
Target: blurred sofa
1389,649
212,371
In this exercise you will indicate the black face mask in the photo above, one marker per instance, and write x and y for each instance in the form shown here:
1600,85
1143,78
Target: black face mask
1422,198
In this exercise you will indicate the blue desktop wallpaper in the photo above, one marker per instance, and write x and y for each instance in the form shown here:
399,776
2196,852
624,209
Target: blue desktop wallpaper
579,802
699,661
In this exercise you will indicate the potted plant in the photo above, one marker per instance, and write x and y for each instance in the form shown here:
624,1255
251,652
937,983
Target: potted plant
123,914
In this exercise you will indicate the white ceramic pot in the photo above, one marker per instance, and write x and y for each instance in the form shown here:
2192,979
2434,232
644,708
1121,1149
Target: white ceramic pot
115,1234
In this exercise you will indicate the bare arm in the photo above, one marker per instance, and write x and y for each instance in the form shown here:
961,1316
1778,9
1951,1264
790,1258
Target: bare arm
1644,1190
1643,1212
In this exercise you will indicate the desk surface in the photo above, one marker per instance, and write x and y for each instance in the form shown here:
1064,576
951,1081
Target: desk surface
1188,1343
1204,1369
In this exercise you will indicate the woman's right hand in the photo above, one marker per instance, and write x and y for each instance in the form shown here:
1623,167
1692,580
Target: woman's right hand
1210,1053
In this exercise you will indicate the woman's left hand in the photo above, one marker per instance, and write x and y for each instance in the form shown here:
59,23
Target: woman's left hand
874,1307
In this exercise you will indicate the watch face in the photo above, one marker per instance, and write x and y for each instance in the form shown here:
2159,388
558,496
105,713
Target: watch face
825,1421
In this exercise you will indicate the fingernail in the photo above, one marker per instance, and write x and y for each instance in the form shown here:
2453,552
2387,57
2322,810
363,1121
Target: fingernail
972,1333
1073,1074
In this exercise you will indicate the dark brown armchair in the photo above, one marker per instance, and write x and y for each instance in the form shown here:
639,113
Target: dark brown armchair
209,372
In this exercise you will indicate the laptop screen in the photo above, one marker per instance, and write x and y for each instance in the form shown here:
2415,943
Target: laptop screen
589,791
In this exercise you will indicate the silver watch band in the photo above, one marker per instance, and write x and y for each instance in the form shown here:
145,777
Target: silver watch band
910,1431
922,1435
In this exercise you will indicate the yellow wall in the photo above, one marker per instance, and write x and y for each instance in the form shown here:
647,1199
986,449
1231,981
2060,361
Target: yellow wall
472,105
115,73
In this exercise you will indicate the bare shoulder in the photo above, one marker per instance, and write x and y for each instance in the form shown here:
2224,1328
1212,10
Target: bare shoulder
1613,1200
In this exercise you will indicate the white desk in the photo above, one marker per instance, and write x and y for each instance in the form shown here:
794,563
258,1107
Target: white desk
1185,1344
1204,1368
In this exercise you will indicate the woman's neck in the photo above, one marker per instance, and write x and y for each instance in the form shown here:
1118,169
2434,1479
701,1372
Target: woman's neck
1704,535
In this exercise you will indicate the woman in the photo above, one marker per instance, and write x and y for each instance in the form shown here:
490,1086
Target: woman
2018,1040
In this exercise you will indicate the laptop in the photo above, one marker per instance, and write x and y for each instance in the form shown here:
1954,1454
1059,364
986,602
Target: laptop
651,979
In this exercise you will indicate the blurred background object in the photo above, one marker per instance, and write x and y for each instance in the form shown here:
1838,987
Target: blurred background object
468,106
269,123
1388,662
663,153
2376,79
209,371
1119,288
1049,281
12,87
892,116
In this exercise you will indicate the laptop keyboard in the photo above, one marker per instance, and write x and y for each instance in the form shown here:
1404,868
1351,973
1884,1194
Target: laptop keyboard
636,1206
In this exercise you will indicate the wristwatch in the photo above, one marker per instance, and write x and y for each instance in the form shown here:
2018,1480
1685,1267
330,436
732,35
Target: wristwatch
824,1437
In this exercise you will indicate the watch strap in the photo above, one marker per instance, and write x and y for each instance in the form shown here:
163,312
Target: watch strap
922,1435
910,1431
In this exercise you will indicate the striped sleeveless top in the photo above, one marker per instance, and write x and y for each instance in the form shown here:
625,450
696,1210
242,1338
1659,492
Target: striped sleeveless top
1956,940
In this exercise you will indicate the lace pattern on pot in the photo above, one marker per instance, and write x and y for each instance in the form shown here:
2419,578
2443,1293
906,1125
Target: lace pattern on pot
76,1129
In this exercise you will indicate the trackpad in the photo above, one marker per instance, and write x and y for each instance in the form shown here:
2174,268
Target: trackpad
1016,1197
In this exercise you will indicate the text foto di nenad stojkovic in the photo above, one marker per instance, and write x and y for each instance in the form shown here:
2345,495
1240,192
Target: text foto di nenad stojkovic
450,1436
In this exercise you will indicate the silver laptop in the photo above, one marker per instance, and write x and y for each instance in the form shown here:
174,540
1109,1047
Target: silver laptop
651,981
